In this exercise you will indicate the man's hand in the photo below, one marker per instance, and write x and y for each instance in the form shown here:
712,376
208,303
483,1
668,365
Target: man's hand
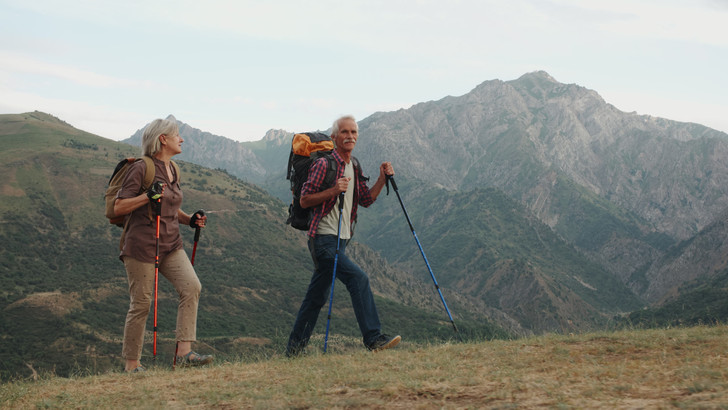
342,184
386,169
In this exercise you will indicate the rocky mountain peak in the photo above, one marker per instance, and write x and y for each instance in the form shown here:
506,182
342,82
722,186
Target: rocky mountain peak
539,75
277,136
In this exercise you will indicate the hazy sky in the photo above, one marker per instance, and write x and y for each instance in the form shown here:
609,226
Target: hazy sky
240,68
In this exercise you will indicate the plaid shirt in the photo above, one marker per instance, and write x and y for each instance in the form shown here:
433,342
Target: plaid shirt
316,175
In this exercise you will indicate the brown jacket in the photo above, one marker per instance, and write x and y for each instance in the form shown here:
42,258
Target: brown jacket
140,241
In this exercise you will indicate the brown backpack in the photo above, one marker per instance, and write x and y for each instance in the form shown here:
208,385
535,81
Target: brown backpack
117,178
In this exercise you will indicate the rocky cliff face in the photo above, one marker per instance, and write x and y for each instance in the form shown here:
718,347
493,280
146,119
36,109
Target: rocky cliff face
568,156
514,135
213,151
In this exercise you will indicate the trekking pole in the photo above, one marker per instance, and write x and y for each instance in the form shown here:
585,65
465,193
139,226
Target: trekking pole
197,233
158,212
192,262
333,276
394,186
194,248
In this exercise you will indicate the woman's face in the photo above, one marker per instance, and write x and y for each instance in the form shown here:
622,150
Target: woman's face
172,142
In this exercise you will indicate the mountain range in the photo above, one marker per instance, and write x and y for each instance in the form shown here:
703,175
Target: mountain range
541,208
621,188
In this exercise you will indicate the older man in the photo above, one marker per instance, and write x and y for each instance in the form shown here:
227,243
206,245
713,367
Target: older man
322,240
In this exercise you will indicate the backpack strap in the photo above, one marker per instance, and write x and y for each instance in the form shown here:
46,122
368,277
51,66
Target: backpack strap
358,174
330,177
357,167
149,174
176,170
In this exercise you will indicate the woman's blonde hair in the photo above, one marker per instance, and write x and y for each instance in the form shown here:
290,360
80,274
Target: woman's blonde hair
150,139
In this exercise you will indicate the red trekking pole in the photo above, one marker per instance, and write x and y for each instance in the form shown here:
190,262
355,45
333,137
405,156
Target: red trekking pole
158,212
194,248
155,197
193,223
192,261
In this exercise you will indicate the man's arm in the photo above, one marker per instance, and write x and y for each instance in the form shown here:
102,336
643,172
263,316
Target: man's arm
311,195
318,198
384,170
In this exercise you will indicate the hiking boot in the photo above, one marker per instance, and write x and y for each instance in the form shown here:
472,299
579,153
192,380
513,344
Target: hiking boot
384,342
295,349
293,353
193,359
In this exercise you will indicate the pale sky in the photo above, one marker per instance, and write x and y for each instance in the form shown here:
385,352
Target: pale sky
240,68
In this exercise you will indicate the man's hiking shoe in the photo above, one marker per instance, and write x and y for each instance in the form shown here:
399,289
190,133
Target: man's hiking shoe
295,349
384,342
193,359
138,369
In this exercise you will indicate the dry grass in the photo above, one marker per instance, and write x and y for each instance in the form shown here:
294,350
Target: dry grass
631,369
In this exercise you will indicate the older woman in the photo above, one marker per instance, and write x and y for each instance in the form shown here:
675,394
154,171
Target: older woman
161,141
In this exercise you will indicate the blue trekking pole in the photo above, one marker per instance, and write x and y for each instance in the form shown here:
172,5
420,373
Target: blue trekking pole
390,178
333,276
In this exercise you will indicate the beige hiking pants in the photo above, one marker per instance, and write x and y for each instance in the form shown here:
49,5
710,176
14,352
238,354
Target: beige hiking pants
176,267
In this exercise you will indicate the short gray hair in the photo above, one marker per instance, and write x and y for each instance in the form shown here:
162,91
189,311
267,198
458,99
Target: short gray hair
335,127
150,139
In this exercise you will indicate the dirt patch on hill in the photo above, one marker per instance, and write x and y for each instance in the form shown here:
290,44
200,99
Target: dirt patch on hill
6,189
255,341
57,303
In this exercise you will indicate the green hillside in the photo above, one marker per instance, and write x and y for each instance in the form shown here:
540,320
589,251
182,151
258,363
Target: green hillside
64,291
483,244
699,302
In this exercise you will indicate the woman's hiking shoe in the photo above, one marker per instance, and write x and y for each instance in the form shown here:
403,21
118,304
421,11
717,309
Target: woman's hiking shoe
193,359
384,342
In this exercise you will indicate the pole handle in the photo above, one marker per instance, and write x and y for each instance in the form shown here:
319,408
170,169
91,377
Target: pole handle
390,179
341,201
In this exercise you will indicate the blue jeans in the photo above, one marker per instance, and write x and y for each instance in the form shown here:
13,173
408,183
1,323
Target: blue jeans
323,251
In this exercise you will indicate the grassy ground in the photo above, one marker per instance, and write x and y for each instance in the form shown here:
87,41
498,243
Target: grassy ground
679,367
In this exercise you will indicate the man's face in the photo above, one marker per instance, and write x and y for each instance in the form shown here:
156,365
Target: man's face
348,133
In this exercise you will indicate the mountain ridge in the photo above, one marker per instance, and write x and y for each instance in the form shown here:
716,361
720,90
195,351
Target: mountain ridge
546,144
545,209
565,153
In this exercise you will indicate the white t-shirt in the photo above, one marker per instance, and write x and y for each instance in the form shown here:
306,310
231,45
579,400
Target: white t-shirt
329,224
